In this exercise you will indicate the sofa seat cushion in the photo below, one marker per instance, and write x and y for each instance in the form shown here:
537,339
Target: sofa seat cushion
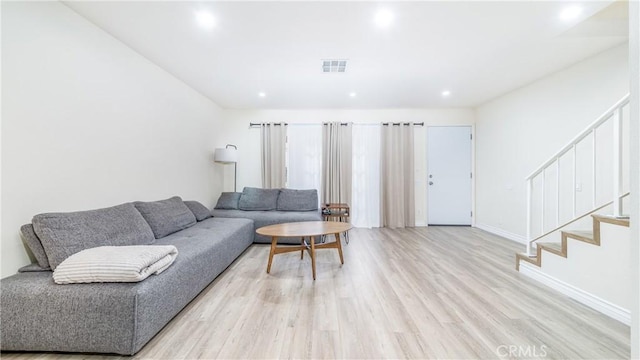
204,232
64,234
166,216
264,218
297,200
255,199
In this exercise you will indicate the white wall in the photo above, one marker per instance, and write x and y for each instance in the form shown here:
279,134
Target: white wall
236,130
87,123
518,131
634,70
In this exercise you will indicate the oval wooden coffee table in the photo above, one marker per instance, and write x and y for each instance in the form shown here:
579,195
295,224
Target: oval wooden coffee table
304,230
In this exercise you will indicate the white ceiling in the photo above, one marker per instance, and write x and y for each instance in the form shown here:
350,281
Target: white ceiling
477,50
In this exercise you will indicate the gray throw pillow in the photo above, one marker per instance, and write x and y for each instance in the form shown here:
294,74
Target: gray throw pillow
258,199
33,268
33,243
166,216
200,211
228,201
64,234
297,200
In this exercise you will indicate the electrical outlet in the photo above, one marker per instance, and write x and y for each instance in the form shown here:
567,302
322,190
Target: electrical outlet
579,186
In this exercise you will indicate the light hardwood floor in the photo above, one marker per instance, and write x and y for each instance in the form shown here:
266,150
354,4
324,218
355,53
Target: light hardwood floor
437,292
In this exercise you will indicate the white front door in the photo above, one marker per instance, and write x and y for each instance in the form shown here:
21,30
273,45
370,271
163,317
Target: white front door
449,175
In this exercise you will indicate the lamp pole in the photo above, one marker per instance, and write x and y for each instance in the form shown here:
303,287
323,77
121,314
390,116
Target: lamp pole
235,169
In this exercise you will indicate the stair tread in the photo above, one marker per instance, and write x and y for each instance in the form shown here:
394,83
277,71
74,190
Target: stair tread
551,245
525,257
610,219
554,248
579,232
581,235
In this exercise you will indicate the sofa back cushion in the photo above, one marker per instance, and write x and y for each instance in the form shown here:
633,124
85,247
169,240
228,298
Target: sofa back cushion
166,216
200,211
228,201
297,200
258,199
64,234
35,246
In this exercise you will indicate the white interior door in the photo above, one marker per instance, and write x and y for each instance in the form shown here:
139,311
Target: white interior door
449,175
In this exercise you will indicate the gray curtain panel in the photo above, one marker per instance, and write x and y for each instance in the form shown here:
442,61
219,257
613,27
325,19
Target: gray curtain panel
273,138
336,162
397,175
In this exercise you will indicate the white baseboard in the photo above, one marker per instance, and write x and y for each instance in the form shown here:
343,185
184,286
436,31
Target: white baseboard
505,234
614,311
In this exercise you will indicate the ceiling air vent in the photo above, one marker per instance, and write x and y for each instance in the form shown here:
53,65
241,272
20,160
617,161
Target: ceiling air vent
334,65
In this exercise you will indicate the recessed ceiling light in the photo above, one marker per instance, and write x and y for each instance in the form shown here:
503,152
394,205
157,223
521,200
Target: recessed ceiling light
261,94
353,94
205,19
570,13
383,18
446,93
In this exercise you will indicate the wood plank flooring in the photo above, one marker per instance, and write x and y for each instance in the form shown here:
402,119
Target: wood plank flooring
437,292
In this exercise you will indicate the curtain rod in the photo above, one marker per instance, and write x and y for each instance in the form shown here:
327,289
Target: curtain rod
260,124
406,124
253,125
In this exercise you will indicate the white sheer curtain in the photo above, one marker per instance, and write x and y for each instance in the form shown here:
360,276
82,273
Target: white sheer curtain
272,143
336,162
365,202
304,151
398,176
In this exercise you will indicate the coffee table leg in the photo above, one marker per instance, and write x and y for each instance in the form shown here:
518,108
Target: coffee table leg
339,247
302,250
274,240
313,255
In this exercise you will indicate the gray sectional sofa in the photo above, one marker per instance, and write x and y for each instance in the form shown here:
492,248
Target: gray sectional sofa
39,315
268,207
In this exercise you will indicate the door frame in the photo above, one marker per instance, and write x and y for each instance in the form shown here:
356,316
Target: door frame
473,170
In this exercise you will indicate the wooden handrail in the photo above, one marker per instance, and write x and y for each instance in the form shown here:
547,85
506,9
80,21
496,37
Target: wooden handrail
604,117
577,218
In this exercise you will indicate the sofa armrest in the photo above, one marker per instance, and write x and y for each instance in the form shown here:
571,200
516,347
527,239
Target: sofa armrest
39,315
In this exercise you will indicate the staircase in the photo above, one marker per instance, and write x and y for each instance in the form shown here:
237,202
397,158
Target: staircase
540,181
595,275
591,136
560,249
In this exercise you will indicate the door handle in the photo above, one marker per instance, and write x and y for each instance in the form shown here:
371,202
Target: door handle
430,182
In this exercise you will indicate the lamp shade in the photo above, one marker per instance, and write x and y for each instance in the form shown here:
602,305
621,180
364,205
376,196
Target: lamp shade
226,156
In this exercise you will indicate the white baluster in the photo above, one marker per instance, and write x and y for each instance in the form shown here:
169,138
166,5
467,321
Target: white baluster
593,168
558,191
617,161
542,192
529,210
573,216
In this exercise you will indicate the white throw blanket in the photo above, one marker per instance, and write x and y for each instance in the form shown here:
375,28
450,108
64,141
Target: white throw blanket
115,264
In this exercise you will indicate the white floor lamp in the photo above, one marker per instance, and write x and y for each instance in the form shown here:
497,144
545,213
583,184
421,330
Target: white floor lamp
228,155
